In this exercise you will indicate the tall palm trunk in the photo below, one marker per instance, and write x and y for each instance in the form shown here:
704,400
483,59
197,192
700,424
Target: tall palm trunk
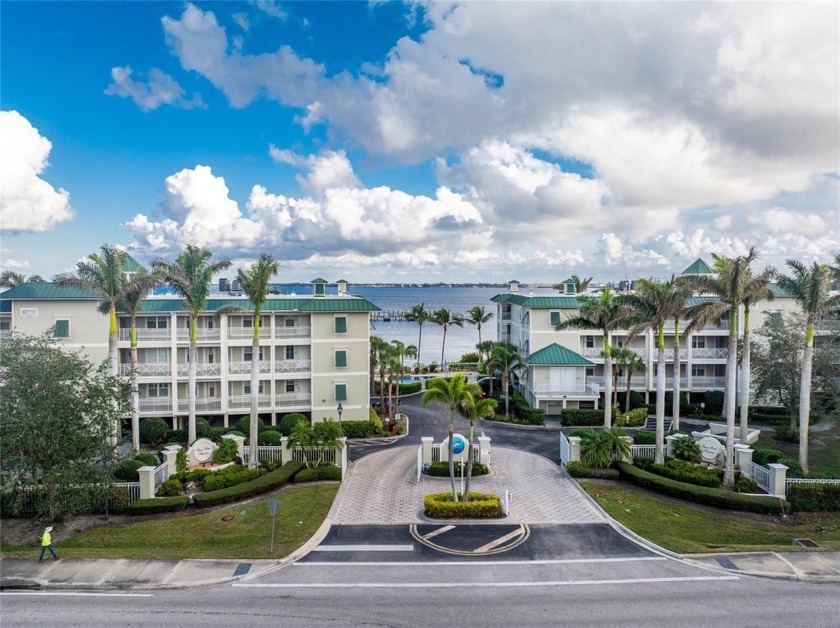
805,396
615,385
192,379
660,397
607,381
675,406
382,388
451,454
731,382
442,348
469,461
627,394
419,340
135,393
253,458
744,401
113,361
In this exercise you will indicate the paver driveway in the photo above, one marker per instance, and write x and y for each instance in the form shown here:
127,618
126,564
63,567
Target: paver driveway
383,488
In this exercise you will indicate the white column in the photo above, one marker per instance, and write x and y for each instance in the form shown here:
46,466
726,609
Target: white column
484,449
574,448
240,443
170,454
743,456
426,443
147,482
778,475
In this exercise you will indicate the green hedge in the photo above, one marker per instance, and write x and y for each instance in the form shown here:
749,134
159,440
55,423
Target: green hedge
267,482
441,469
682,471
170,488
357,429
409,389
815,497
526,413
576,417
578,469
644,438
288,422
230,476
634,418
157,504
481,506
324,472
700,494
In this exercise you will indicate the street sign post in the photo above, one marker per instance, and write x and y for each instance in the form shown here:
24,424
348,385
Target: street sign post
273,508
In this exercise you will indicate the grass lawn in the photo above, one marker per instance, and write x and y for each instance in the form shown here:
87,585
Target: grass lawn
246,535
823,450
687,529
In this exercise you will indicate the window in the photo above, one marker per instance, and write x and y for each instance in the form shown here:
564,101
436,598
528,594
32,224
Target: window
157,322
157,390
589,342
211,356
341,324
698,370
555,318
248,354
290,386
5,325
248,321
590,371
157,356
290,352
211,390
340,358
29,312
341,392
246,388
290,322
62,328
698,342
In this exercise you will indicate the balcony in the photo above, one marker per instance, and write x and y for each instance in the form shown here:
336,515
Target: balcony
203,334
244,401
589,389
595,353
705,382
669,354
156,404
202,369
712,353
146,335
202,404
292,366
244,368
148,369
291,399
247,333
292,332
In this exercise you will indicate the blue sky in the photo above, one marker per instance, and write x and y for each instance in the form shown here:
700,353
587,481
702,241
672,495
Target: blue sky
420,142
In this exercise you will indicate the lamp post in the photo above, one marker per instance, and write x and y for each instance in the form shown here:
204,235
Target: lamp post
340,409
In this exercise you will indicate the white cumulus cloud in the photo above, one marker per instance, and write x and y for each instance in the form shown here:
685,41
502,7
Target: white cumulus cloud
161,89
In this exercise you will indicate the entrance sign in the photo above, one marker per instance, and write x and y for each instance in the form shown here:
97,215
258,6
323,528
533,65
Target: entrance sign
709,449
201,450
459,446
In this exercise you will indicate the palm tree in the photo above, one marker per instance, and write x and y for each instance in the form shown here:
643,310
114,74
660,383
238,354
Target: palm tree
419,314
472,410
190,277
484,348
635,364
11,279
303,436
506,358
131,299
679,300
443,317
728,286
621,357
810,288
401,352
606,313
328,435
598,447
477,316
380,355
255,286
454,393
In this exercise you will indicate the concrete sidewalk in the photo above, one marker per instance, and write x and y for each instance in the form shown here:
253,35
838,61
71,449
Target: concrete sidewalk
804,566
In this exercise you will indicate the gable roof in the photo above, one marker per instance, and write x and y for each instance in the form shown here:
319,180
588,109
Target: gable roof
556,355
542,302
130,265
46,290
699,267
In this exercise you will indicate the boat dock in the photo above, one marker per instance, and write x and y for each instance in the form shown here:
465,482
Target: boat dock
386,316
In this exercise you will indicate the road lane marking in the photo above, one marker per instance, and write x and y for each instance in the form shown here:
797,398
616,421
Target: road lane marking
434,533
53,593
364,548
441,585
455,563
493,544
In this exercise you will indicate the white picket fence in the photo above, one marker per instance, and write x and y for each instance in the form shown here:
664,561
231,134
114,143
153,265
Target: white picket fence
265,453
272,453
791,481
437,448
758,474
643,451
161,475
133,490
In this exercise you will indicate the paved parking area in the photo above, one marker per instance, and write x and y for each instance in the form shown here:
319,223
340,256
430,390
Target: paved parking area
383,489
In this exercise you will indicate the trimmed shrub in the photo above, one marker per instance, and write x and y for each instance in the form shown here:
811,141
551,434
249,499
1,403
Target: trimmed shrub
375,421
269,437
202,427
226,452
764,455
794,468
714,402
179,437
633,418
324,472
578,469
244,425
441,469
702,495
157,504
687,449
153,431
683,471
481,506
409,389
126,471
197,475
263,484
170,488
768,410
527,414
357,429
581,432
181,459
573,417
815,497
746,485
645,438
149,460
288,422
216,433
236,433
785,433
230,476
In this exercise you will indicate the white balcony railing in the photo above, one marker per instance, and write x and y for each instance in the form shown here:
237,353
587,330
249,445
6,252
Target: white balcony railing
292,332
147,335
244,401
708,382
244,368
291,399
596,353
156,404
292,366
148,369
201,335
669,354
202,369
712,353
589,389
202,404
247,333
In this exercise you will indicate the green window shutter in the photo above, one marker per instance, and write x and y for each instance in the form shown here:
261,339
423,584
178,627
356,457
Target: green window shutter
341,358
62,329
555,318
341,392
341,324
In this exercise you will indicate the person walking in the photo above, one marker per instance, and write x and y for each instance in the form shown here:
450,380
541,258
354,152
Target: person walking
46,544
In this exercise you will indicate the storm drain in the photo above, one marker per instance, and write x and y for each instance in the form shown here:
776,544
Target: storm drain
806,543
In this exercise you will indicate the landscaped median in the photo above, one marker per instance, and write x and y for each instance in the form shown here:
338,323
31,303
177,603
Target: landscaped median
480,506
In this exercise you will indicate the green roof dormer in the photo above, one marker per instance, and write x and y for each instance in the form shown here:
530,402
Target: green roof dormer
342,286
320,287
699,267
569,286
513,285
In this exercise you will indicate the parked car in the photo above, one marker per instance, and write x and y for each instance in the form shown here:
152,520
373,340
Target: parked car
484,383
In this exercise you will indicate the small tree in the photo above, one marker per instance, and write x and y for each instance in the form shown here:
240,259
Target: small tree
328,435
472,410
303,436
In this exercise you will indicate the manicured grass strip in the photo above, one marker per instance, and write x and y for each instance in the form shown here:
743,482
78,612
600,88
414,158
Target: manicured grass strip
690,530
246,535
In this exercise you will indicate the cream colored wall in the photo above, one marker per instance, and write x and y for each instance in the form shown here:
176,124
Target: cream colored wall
88,328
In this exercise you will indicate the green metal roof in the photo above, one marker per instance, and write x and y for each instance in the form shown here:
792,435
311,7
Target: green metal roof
319,280
46,290
539,302
556,355
699,267
130,265
307,304
699,301
778,291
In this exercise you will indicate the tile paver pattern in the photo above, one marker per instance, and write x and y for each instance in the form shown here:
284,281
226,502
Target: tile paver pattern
383,489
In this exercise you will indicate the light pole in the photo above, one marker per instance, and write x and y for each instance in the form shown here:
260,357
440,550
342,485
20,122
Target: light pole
340,409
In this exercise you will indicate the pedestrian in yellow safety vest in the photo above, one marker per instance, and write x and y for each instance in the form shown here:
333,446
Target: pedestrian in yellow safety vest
46,544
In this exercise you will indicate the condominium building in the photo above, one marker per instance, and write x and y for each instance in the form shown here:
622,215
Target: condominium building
565,369
313,350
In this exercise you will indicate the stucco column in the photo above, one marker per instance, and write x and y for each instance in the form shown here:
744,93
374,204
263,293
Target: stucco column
484,450
743,456
170,455
287,451
574,448
240,444
147,482
426,444
778,475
